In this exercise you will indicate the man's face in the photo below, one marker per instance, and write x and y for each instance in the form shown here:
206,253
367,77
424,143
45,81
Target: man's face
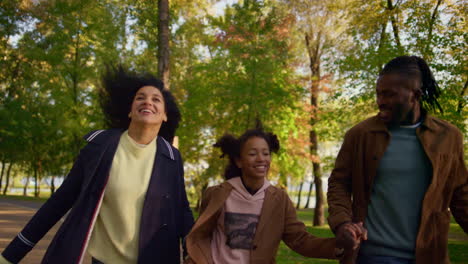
397,98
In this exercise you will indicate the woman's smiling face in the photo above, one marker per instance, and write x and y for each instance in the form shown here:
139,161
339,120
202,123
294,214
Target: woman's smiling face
148,107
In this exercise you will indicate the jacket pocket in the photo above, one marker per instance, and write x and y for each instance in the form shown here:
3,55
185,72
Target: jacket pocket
440,227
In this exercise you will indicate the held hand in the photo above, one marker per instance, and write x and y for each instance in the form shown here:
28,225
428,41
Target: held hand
349,235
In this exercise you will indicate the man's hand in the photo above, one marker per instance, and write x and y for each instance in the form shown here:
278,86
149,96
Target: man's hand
349,235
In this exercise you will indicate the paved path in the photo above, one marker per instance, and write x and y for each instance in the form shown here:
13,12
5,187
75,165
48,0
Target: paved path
13,217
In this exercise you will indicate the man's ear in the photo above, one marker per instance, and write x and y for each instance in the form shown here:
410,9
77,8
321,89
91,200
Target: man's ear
417,94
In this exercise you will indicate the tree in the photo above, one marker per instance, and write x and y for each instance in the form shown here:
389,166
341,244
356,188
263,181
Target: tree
432,29
242,74
163,42
50,78
316,25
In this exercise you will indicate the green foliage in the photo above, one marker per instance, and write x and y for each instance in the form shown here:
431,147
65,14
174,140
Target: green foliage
423,28
48,82
244,75
226,71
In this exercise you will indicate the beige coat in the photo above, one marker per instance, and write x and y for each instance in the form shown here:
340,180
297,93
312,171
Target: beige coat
277,222
356,167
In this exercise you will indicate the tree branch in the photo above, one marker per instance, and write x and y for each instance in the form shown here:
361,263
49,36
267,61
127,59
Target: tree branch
396,33
431,27
461,101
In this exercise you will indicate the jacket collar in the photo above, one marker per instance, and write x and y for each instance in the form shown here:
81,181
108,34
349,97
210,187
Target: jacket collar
166,148
222,192
376,125
100,137
428,121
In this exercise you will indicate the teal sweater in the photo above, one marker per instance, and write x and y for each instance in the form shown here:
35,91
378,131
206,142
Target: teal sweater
394,211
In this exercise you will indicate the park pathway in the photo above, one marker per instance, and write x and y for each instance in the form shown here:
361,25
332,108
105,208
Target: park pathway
14,215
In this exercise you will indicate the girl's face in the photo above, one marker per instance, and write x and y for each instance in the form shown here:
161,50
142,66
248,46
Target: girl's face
148,107
254,158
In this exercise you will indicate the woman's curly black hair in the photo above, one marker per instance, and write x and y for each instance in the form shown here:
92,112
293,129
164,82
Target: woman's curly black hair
119,86
231,146
416,67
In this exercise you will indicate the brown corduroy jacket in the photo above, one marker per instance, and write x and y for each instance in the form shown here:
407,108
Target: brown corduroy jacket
277,222
356,167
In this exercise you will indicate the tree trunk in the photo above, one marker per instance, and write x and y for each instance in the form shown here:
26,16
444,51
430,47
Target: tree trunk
319,212
311,186
36,182
396,31
298,205
382,40
75,76
5,189
314,52
427,49
2,173
52,185
461,101
163,42
25,188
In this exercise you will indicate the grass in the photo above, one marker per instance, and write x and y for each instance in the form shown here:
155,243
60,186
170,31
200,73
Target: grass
42,197
457,244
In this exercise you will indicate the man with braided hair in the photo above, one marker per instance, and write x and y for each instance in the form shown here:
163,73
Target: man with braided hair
398,173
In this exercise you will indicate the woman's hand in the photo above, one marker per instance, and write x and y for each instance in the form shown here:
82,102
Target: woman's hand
3,260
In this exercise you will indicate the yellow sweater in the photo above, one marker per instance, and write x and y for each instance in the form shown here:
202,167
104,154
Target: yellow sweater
116,231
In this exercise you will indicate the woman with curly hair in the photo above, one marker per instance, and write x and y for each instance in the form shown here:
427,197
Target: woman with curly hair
244,219
125,192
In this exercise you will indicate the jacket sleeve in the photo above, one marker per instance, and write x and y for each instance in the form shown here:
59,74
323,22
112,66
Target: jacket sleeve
48,215
459,202
187,216
339,185
297,238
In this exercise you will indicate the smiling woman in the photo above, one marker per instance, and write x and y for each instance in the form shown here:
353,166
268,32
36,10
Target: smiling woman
123,90
125,192
244,219
148,108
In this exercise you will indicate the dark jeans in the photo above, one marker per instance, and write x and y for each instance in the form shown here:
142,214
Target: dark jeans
95,261
362,259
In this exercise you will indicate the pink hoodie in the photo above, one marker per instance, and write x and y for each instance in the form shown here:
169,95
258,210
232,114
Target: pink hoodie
235,230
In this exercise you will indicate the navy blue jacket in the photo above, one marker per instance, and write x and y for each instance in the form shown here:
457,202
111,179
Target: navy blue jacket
166,216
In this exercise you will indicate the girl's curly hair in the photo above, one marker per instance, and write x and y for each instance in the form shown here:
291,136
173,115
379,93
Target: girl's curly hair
231,146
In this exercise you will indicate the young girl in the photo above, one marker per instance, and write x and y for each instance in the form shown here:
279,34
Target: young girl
125,192
244,219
